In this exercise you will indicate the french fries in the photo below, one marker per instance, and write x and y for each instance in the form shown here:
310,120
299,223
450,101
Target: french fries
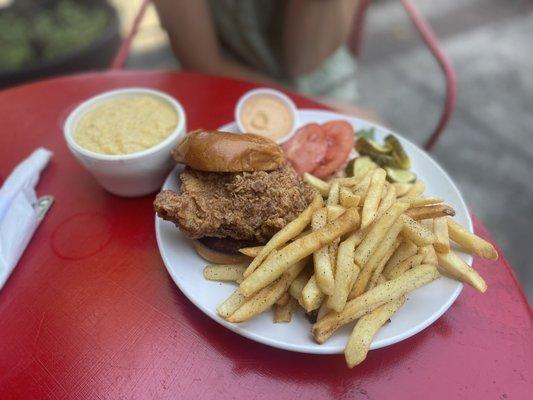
429,255
321,257
274,266
283,312
373,197
334,212
312,297
387,201
376,233
417,189
418,201
403,252
231,304
384,248
228,273
471,242
284,299
317,183
371,243
345,274
347,199
292,229
440,229
455,266
381,294
416,232
267,297
402,188
404,266
366,328
333,195
430,212
298,285
251,251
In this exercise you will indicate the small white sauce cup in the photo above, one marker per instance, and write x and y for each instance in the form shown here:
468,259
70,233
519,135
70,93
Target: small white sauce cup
273,93
128,175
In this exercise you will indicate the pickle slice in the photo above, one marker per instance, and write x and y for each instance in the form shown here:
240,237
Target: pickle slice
402,160
369,147
400,175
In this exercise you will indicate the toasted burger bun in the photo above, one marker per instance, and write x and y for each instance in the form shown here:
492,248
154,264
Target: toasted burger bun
215,151
217,257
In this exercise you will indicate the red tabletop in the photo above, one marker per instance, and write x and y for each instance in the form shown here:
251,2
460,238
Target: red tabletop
90,312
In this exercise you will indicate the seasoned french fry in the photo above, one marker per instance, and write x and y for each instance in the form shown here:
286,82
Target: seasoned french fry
362,187
312,297
378,271
231,304
404,266
455,266
381,294
323,310
385,248
376,233
471,242
317,183
334,212
273,267
284,299
345,274
406,250
429,255
347,198
267,297
366,328
299,283
381,279
333,195
416,232
430,212
373,197
229,273
290,230
440,229
362,166
402,188
283,312
387,201
251,251
417,189
321,257
418,201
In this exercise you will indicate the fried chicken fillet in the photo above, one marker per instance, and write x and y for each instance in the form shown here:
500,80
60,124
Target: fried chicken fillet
245,206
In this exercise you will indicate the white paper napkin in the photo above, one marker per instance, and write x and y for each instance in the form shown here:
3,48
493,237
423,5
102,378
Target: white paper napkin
18,210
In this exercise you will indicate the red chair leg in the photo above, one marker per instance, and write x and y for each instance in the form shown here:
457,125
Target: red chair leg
124,50
430,39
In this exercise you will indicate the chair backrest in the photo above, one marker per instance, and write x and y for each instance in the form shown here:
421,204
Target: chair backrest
426,33
430,39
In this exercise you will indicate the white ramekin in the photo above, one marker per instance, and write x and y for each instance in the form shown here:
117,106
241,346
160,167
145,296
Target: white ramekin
128,175
269,92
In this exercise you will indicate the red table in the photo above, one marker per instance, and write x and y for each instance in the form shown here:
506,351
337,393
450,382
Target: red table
90,312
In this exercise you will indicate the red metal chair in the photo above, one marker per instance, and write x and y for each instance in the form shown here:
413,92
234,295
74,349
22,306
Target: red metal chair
426,33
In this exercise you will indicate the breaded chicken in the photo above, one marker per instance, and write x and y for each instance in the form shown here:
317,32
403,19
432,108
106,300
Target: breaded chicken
249,206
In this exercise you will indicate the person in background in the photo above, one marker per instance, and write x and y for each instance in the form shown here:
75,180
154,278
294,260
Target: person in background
300,44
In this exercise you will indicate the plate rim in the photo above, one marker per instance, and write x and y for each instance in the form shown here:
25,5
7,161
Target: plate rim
319,349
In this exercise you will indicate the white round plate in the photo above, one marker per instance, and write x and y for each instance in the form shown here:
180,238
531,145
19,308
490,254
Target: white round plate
422,308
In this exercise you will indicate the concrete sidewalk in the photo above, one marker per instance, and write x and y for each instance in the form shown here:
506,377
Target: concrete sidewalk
488,147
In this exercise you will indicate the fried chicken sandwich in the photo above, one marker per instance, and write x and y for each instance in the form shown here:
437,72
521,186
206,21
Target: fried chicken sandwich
236,191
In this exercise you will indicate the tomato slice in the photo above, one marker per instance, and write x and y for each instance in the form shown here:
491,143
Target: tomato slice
307,148
340,139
